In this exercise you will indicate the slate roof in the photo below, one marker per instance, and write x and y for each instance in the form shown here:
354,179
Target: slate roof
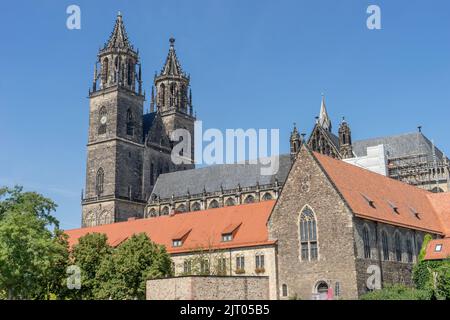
401,145
199,229
148,122
212,178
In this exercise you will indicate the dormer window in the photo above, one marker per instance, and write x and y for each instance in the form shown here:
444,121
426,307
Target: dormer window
438,248
226,237
177,243
369,201
179,238
393,206
229,232
414,213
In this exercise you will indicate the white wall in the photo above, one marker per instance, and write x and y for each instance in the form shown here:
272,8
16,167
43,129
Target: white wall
375,160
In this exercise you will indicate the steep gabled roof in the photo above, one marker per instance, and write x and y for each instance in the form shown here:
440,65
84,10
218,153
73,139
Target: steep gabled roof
200,229
390,200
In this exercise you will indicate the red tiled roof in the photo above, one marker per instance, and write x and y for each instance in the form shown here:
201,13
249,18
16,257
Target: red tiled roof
443,253
394,202
206,228
441,203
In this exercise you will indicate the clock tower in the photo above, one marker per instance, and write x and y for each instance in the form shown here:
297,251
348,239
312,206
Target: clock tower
115,144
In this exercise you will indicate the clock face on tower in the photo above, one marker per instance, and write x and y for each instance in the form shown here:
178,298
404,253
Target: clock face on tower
103,119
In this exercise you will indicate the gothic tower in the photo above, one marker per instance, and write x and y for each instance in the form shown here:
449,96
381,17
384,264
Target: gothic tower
115,147
345,140
174,99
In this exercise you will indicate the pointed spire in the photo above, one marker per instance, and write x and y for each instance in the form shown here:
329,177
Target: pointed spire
324,120
172,66
118,38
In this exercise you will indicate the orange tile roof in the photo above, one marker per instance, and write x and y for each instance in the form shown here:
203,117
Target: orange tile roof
394,202
441,203
443,253
206,228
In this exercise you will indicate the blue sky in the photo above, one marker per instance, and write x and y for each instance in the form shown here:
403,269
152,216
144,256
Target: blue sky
253,64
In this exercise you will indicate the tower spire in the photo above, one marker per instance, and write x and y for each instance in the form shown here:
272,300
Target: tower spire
324,119
172,66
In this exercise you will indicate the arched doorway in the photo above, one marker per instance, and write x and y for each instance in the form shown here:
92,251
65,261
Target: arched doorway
321,290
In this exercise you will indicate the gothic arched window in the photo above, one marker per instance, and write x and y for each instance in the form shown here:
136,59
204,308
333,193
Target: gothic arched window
366,242
409,249
213,204
267,196
249,199
105,72
165,211
99,181
398,247
308,235
385,245
152,172
181,208
230,202
130,123
162,95
196,206
130,72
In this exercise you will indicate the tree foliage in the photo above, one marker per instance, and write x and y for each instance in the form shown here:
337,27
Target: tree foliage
88,255
33,258
124,273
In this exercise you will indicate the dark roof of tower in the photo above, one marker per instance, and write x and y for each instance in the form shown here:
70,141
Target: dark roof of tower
147,122
118,37
216,177
402,145
153,129
172,66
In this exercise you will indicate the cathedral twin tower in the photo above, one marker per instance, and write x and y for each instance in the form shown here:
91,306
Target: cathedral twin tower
128,149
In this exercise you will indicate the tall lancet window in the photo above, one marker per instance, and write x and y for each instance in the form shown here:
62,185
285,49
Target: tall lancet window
105,72
308,235
99,181
130,72
130,123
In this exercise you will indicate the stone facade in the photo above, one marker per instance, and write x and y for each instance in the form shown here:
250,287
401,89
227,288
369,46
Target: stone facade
127,149
208,288
336,261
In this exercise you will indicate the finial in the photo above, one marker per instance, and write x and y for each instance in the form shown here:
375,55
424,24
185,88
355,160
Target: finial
420,128
119,14
172,42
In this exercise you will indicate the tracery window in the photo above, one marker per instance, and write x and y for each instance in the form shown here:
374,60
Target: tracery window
308,235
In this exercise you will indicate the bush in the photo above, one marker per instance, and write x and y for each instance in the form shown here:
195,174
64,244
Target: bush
397,292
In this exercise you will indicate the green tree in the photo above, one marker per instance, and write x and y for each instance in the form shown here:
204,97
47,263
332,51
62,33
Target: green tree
33,257
124,273
88,255
15,200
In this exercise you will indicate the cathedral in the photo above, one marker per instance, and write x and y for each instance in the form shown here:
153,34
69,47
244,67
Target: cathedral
336,209
130,173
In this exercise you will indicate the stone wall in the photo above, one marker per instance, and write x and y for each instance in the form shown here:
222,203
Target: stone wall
208,288
307,185
230,255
